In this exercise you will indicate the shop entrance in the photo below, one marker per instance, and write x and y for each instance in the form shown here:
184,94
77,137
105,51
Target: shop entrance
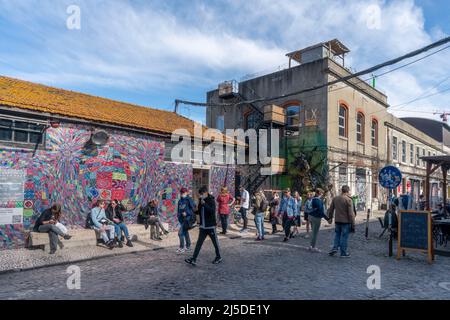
200,179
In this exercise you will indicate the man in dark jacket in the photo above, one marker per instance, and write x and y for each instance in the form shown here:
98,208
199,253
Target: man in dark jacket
46,224
207,227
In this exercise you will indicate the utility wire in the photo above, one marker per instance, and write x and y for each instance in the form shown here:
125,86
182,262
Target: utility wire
342,79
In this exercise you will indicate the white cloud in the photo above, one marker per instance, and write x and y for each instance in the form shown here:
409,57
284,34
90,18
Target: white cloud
149,46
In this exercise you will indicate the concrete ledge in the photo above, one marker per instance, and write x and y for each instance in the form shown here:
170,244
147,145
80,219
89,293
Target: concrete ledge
86,237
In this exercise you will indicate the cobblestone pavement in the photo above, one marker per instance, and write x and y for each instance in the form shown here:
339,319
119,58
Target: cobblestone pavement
250,270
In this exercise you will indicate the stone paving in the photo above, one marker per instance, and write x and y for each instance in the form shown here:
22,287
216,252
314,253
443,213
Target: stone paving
269,269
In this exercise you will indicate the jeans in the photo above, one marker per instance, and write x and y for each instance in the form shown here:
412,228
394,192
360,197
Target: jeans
53,233
287,224
202,234
183,234
342,232
118,227
224,222
259,222
244,216
315,226
108,234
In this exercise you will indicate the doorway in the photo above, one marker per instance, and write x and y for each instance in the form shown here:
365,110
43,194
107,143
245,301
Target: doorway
200,179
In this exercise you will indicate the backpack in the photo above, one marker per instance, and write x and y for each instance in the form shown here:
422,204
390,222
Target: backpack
89,223
264,205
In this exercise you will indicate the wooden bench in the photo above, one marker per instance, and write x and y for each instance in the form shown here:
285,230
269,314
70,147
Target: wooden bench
84,237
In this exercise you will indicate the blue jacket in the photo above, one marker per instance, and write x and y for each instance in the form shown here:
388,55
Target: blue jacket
97,215
308,206
288,206
185,205
298,207
317,208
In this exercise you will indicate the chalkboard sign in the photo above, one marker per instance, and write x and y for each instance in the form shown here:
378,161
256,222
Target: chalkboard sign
414,232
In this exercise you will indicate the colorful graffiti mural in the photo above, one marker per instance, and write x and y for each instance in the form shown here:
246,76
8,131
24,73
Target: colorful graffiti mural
129,167
307,160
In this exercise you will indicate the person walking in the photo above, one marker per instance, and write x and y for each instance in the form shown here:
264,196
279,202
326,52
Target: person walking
315,218
341,209
245,205
225,200
186,207
274,208
260,206
308,208
207,227
297,214
46,223
287,210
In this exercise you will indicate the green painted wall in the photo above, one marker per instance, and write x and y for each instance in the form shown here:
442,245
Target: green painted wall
306,156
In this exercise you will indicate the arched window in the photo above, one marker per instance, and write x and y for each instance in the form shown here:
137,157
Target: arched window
374,133
251,120
293,116
343,121
360,127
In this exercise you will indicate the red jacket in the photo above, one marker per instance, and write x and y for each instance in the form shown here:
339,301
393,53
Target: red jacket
224,201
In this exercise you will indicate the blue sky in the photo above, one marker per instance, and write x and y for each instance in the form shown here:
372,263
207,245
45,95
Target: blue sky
152,52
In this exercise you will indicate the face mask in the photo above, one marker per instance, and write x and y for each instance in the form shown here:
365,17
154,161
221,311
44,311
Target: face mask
183,196
203,196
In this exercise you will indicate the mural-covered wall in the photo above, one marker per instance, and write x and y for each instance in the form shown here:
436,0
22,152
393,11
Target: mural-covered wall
129,167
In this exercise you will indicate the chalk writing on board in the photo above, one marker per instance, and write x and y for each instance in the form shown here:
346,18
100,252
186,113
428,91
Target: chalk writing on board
414,230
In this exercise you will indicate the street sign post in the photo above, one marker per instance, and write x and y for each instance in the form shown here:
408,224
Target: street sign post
390,178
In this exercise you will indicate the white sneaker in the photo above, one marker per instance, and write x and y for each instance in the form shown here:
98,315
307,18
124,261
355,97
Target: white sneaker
187,250
180,250
316,250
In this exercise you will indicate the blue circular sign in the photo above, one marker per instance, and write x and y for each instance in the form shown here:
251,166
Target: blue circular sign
390,177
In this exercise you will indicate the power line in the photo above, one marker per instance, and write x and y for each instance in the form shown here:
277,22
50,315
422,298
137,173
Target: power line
342,79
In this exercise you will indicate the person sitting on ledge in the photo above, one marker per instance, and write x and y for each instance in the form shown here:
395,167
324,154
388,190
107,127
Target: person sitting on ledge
152,219
46,223
102,224
114,213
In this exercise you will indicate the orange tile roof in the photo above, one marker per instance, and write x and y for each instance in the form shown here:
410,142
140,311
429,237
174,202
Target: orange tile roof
32,96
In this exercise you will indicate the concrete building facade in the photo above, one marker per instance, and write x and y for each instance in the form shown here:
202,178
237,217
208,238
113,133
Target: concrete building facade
334,135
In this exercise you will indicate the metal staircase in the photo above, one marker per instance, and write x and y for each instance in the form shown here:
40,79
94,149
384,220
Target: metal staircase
254,179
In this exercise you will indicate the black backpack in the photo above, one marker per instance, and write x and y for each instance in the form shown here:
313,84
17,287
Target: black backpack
89,223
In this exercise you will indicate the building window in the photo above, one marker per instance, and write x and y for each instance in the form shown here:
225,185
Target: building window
343,120
394,148
293,116
220,122
403,151
417,156
411,153
360,127
374,133
374,190
251,121
423,155
20,131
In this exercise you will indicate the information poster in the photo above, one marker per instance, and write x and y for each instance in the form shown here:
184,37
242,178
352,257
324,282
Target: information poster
11,196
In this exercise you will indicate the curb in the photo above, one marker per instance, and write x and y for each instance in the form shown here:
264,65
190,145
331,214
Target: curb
79,260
